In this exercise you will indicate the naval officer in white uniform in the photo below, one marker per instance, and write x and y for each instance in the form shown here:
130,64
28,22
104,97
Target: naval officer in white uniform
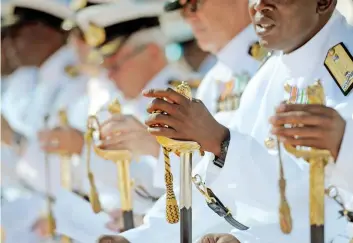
245,172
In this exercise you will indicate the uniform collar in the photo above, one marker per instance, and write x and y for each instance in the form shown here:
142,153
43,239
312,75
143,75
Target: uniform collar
236,52
56,63
311,54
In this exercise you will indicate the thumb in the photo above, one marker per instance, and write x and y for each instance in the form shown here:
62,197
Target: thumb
219,238
210,238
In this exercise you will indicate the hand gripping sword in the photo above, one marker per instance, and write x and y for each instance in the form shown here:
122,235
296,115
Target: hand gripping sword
185,150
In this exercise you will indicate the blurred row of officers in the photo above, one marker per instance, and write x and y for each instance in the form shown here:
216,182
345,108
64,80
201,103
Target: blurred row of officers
121,63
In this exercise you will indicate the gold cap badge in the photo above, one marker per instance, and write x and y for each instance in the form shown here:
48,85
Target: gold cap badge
94,35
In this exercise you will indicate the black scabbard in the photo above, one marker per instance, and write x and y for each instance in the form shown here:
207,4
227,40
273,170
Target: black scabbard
317,234
128,217
186,225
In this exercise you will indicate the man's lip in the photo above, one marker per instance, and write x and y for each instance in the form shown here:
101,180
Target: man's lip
263,21
264,29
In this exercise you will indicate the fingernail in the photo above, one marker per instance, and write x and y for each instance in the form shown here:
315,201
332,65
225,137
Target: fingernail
145,92
282,139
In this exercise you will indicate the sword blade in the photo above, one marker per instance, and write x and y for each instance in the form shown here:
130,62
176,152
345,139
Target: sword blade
186,197
128,217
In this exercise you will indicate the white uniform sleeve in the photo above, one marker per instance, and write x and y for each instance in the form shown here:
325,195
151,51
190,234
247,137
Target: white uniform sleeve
252,172
343,168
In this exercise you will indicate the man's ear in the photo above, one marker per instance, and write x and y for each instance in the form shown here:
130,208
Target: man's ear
153,49
324,6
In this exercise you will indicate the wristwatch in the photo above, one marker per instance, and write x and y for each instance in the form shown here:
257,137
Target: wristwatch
219,161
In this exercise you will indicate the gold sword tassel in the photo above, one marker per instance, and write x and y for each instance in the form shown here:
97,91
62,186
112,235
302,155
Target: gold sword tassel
93,195
65,164
172,208
284,209
50,217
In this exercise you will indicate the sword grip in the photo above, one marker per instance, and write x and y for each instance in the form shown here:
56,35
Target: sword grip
128,217
317,200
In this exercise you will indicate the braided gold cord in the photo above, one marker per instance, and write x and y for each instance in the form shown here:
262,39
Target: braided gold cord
285,217
172,208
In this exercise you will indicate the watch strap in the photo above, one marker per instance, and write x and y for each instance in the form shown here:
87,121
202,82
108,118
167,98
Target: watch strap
219,161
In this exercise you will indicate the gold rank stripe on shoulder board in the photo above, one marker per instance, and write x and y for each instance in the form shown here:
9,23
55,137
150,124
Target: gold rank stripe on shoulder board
339,63
193,83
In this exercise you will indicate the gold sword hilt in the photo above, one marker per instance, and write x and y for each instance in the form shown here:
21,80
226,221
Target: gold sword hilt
122,158
317,159
178,147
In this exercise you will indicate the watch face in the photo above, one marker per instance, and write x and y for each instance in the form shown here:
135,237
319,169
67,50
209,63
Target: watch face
217,209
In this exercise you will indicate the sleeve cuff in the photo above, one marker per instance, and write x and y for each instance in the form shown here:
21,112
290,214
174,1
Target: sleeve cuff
213,170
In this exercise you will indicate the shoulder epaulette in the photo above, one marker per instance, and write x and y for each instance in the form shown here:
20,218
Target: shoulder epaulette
339,63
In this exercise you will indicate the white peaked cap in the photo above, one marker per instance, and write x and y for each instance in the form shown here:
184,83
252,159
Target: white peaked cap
105,15
55,8
175,27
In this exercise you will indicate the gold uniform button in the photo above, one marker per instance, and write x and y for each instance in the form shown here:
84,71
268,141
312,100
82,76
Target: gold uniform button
270,143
